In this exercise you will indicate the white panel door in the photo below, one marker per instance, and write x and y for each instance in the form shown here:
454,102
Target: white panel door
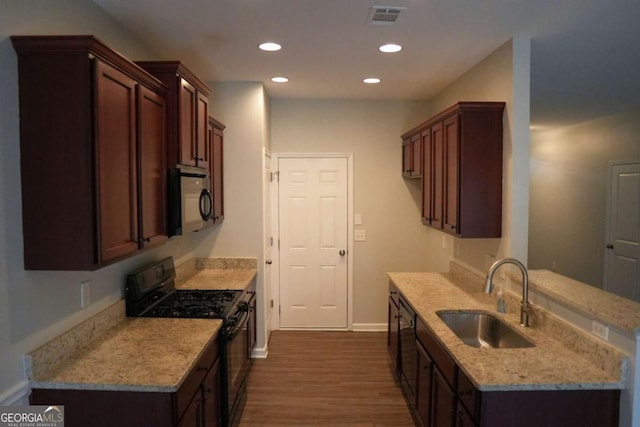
313,242
622,258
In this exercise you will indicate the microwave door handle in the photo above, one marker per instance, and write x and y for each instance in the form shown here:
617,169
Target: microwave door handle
205,199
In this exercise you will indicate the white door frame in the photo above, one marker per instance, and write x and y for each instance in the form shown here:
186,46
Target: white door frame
275,278
607,237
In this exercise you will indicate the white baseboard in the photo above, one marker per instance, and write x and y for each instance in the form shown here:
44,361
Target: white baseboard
370,327
16,395
259,353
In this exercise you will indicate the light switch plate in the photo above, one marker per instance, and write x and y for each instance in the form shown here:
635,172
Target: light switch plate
359,235
357,219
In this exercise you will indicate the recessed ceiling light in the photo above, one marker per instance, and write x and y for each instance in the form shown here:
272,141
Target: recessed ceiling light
270,46
371,80
279,79
390,48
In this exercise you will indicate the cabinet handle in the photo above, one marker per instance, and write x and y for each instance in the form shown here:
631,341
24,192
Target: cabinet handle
610,246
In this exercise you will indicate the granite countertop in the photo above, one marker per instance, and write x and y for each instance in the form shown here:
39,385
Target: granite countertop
137,354
219,279
547,366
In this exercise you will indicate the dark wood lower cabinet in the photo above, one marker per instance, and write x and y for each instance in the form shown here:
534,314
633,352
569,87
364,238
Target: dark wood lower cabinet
195,404
446,397
423,386
443,401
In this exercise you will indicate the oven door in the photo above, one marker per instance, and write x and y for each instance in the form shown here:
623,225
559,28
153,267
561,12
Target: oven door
237,350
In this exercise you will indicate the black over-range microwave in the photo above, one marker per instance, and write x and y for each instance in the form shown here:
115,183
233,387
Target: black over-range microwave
190,201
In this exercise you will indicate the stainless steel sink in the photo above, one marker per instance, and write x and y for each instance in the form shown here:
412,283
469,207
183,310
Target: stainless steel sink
480,329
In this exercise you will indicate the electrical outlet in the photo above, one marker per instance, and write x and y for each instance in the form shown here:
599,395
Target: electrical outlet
600,330
359,235
85,294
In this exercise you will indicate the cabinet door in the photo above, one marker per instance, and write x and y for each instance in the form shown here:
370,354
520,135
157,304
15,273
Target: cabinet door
152,169
193,416
406,157
203,147
451,182
187,123
211,390
116,162
423,386
463,419
437,147
443,402
427,177
416,156
393,333
217,169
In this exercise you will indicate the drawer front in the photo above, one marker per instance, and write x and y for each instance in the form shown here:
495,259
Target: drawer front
191,384
439,355
468,395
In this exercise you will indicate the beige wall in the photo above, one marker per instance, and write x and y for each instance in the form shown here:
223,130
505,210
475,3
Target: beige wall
389,205
502,76
567,225
35,306
244,109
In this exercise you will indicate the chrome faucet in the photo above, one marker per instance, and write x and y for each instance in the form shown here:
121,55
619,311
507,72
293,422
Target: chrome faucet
524,304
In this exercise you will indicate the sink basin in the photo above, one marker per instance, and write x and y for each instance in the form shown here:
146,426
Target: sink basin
480,329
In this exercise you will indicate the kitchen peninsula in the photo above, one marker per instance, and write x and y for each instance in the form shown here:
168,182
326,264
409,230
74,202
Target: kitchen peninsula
555,379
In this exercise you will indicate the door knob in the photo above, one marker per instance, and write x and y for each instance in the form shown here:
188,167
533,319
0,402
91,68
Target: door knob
342,252
269,261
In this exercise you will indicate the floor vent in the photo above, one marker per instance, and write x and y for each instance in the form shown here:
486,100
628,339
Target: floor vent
384,15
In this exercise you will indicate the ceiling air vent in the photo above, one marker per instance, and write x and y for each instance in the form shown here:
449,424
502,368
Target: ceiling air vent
384,15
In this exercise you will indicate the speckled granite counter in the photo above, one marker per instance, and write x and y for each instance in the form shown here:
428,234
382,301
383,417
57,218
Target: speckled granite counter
138,354
612,309
216,273
547,366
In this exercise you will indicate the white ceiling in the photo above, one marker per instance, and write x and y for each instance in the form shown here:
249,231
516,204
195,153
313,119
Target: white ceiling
584,52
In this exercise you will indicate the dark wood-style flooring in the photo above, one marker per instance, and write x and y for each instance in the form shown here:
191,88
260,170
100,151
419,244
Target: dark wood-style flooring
325,379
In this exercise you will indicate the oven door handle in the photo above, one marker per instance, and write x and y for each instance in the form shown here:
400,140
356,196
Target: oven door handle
231,334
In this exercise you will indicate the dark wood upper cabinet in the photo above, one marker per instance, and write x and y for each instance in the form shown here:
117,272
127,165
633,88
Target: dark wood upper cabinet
412,156
152,166
91,128
216,168
462,164
187,113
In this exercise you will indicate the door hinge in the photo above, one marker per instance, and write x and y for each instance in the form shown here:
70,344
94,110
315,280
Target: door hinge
278,244
271,303
270,241
279,310
275,176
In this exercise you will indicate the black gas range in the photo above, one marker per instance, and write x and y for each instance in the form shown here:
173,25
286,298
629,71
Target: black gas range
151,292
